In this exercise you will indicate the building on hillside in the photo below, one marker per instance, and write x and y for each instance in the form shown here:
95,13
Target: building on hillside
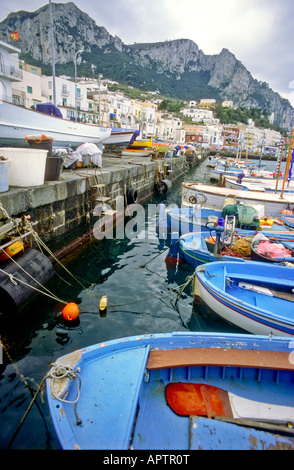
28,92
148,119
194,134
65,99
227,104
213,136
197,114
169,128
230,134
10,73
207,103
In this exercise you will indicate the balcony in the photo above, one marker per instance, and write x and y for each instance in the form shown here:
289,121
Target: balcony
10,73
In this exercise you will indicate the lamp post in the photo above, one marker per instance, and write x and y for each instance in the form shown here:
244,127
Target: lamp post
100,76
76,56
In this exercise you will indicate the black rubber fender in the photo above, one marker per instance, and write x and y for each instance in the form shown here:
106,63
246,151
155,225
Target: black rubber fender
164,186
132,196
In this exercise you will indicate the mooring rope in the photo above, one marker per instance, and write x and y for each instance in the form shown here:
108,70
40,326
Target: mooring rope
56,372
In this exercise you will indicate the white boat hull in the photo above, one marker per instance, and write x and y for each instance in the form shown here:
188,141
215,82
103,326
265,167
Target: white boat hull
214,197
231,314
17,122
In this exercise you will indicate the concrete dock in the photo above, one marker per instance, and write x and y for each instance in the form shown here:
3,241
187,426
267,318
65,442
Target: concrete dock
57,208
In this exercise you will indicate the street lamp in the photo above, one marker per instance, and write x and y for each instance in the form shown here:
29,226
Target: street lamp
76,56
100,76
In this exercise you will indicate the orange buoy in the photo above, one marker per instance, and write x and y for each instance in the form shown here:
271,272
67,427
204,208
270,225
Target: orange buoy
70,311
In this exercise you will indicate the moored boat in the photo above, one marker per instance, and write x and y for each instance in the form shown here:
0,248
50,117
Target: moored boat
119,139
197,248
136,152
189,219
214,197
249,295
265,185
174,391
16,122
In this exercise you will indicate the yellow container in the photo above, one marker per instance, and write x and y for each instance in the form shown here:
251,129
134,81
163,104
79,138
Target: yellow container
267,222
11,250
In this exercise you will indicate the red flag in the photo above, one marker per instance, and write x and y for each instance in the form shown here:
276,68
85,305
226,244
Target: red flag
15,36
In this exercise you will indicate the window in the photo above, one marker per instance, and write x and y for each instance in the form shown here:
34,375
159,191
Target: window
34,71
64,90
29,89
64,101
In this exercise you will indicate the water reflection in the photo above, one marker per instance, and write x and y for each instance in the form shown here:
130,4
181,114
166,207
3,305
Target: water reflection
142,293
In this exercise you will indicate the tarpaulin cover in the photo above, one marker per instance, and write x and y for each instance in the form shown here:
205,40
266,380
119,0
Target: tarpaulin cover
273,250
49,108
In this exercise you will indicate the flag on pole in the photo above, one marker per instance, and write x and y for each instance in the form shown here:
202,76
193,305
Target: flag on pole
15,36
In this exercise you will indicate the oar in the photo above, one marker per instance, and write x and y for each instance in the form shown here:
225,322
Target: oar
193,399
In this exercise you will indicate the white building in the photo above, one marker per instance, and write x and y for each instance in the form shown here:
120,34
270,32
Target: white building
9,70
212,136
65,99
28,92
168,127
197,114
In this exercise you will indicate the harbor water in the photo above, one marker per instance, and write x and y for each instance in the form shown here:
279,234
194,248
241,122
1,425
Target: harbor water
142,296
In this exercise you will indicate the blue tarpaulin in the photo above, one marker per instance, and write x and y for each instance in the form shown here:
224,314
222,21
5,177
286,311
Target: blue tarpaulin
49,108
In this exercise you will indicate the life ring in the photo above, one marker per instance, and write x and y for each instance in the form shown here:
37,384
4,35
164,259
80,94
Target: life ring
132,196
192,199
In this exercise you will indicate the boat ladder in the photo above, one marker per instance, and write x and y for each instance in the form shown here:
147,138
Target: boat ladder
97,193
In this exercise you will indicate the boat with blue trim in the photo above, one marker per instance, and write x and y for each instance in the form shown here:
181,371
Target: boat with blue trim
249,295
175,391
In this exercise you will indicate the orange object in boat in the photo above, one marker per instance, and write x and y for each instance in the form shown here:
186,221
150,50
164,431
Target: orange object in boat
187,399
287,212
11,250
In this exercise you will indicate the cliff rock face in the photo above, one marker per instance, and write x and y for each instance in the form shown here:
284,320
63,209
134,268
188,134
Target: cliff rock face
176,68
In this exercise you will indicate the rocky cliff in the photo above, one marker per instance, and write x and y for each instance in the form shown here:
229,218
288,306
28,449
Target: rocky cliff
176,68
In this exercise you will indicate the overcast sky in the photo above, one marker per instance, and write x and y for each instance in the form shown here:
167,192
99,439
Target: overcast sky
258,32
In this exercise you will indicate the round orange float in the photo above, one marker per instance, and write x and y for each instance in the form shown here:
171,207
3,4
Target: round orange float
70,311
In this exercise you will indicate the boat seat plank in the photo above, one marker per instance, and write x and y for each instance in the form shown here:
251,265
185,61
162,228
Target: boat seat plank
218,357
265,280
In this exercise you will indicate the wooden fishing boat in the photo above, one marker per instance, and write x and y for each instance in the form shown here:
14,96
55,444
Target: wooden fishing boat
249,295
250,174
188,219
214,197
136,153
175,391
120,139
16,122
196,248
265,185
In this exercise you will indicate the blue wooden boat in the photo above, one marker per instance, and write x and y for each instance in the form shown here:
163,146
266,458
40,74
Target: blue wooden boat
197,248
175,391
249,294
189,219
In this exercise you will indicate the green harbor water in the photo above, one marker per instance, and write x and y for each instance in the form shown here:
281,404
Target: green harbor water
141,293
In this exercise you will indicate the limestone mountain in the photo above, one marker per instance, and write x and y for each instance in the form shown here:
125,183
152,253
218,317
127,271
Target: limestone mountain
176,68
